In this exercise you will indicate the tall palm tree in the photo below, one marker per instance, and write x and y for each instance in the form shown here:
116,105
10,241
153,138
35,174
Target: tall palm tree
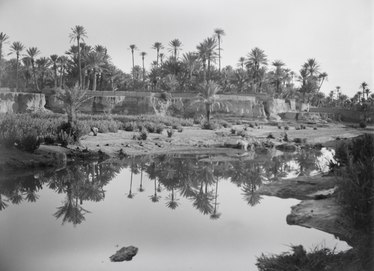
32,52
3,39
219,33
133,48
175,46
257,62
78,34
17,47
279,74
158,46
143,54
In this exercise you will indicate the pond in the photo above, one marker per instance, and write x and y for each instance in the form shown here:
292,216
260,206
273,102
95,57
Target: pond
183,212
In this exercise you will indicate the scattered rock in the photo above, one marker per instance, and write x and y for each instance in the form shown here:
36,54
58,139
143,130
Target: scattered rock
94,130
124,254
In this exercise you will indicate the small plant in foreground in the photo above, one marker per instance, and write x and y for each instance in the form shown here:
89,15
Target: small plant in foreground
170,132
270,136
180,129
362,124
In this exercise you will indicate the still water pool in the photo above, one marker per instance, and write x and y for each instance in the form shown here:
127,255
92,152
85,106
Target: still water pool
182,212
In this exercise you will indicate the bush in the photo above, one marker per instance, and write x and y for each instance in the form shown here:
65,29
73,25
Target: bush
356,176
270,136
29,142
286,127
129,126
209,125
224,123
170,132
68,133
159,128
233,131
180,129
362,124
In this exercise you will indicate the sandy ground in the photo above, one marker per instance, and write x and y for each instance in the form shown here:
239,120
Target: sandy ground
195,139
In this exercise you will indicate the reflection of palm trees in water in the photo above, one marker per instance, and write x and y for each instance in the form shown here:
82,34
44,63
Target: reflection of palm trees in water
71,211
141,189
130,194
252,182
155,197
215,215
172,201
3,203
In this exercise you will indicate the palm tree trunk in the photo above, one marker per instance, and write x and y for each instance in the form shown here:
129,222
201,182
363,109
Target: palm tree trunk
133,71
207,108
79,64
94,81
219,54
55,71
158,53
1,53
34,75
17,72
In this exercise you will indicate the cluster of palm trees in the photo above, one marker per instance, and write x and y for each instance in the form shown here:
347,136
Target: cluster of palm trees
171,71
88,66
363,99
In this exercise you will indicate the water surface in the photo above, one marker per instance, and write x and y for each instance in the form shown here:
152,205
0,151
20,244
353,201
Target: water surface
182,212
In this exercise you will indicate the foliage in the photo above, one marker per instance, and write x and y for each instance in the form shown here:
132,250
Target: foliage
356,176
211,125
170,132
315,260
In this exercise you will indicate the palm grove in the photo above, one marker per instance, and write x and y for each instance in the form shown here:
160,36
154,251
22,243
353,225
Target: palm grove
171,71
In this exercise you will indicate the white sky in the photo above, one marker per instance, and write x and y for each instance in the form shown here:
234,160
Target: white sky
338,33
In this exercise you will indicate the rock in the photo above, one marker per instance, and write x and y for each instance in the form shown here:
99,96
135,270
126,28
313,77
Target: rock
94,130
124,254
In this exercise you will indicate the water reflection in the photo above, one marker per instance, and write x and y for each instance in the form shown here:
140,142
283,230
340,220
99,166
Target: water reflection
195,177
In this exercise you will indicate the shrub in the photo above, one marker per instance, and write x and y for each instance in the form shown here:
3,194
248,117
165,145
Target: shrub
129,126
68,133
175,125
285,138
29,142
159,128
242,133
270,136
286,127
251,125
224,123
143,135
233,131
239,122
180,129
49,140
356,178
362,124
170,132
209,125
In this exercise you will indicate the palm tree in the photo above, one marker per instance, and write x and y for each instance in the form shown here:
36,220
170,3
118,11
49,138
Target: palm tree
257,62
158,46
279,74
54,59
32,53
241,62
312,66
17,47
161,57
143,54
43,64
78,34
219,32
62,62
133,48
95,62
363,86
323,76
208,96
190,61
175,45
206,51
72,99
3,38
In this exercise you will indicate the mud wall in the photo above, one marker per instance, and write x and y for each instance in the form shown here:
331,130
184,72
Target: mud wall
20,102
345,115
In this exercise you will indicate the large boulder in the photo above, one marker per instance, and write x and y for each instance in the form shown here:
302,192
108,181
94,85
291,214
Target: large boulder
124,254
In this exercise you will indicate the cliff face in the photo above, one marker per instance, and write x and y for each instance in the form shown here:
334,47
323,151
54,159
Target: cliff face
19,102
